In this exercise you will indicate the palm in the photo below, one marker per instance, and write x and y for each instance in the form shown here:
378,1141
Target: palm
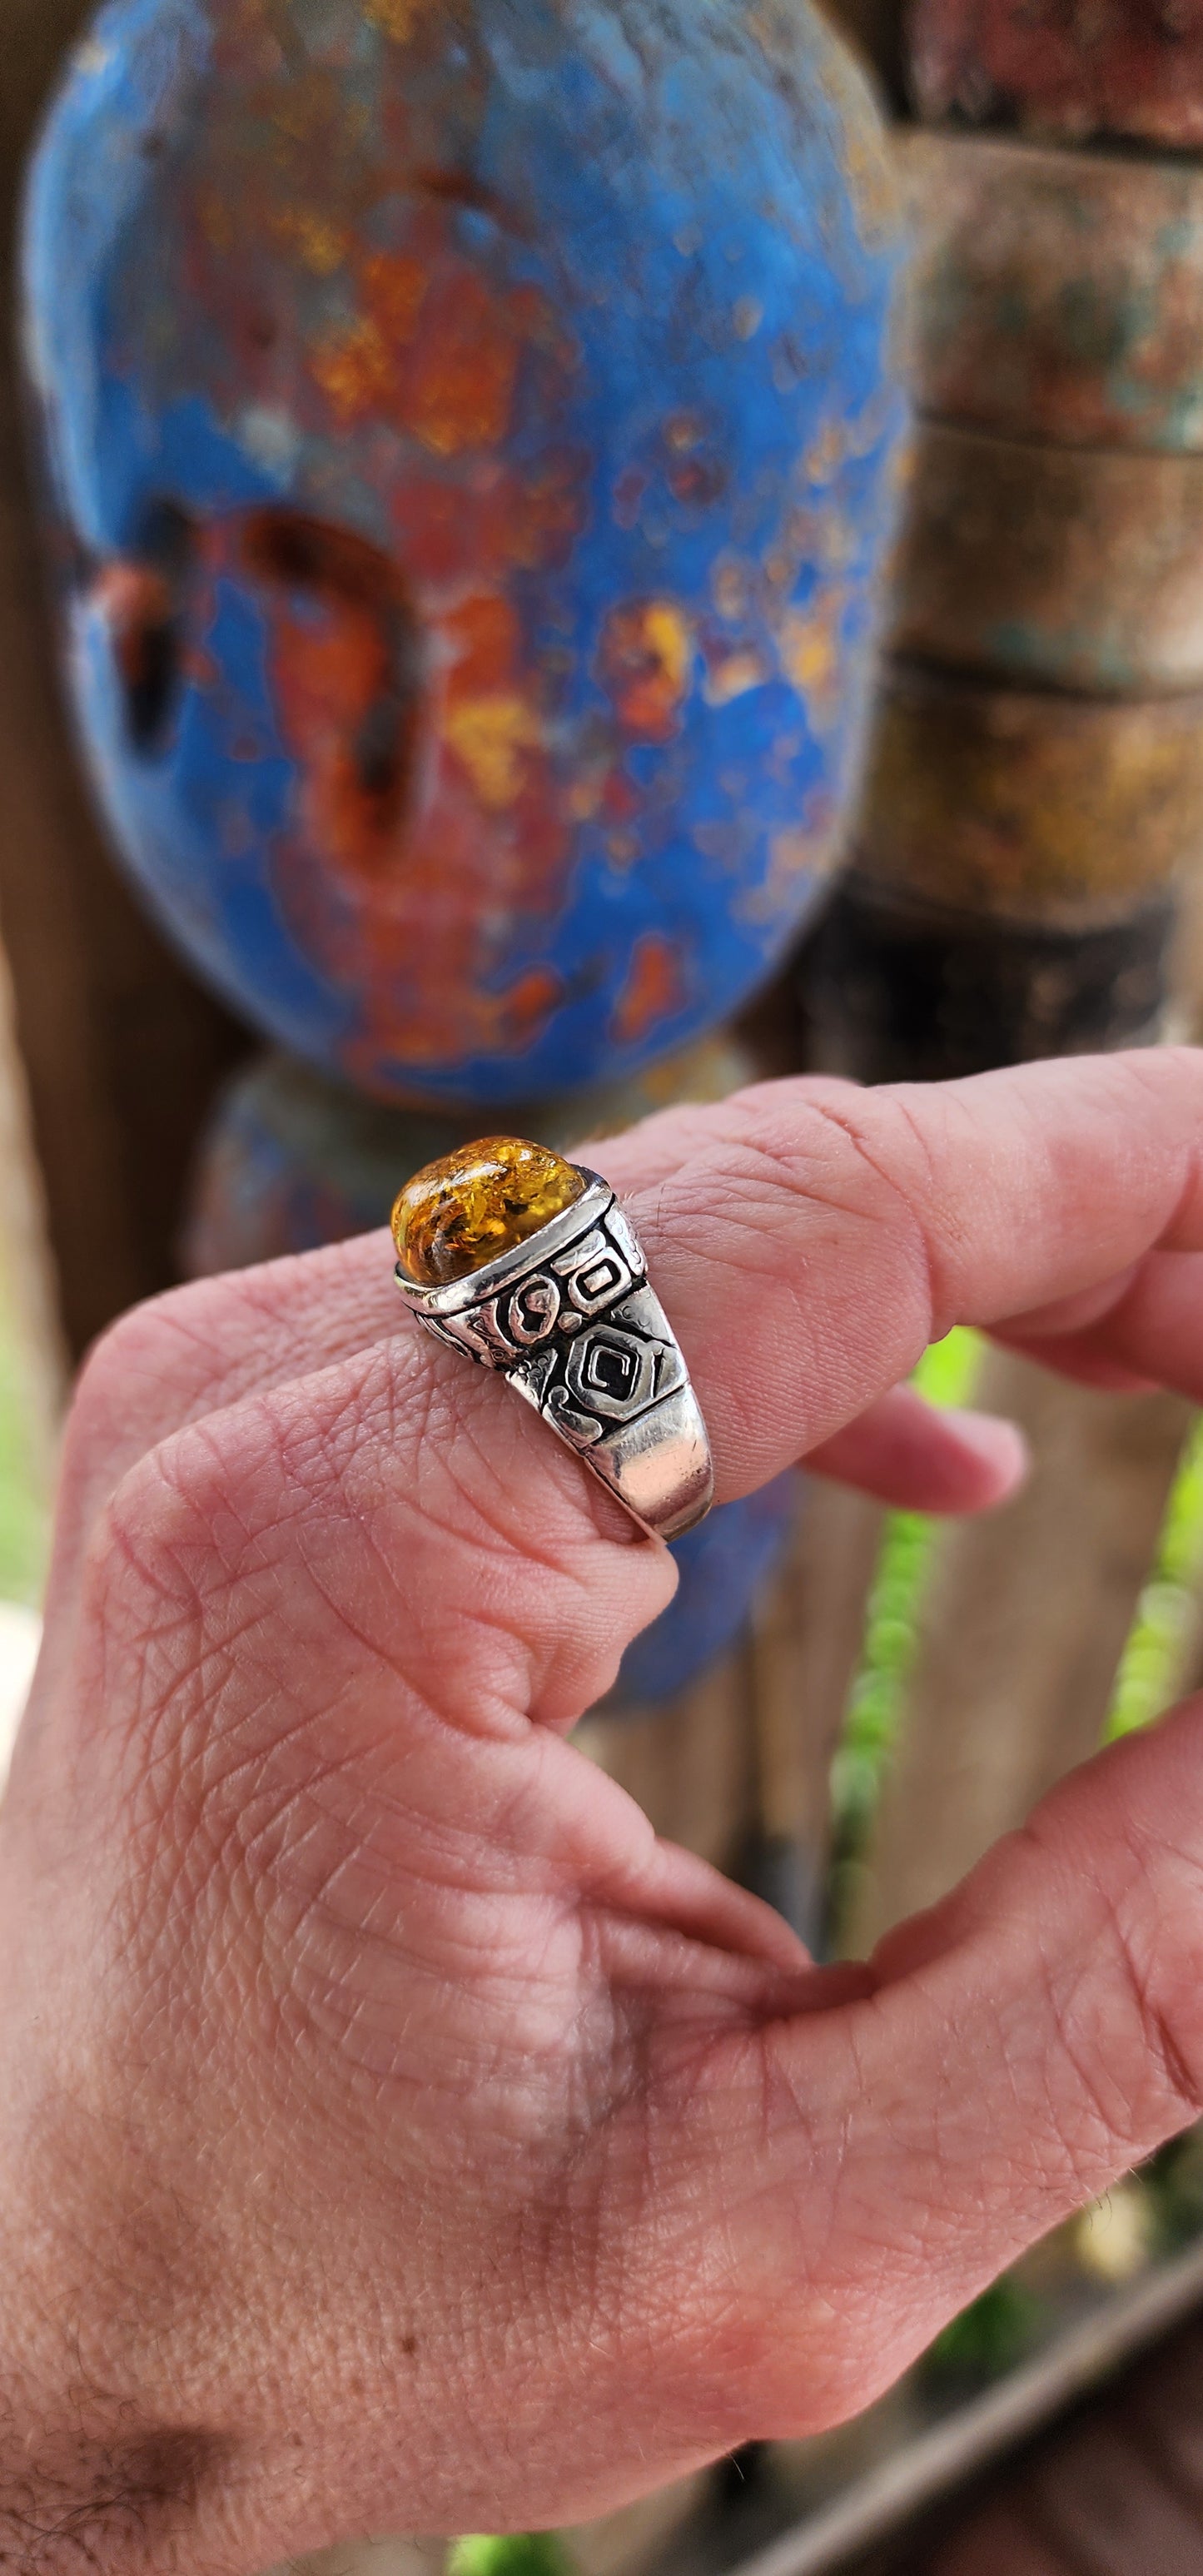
432,2106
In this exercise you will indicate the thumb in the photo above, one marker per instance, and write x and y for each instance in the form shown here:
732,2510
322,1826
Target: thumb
1020,2047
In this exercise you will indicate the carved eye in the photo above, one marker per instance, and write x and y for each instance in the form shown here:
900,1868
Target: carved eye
354,665
142,596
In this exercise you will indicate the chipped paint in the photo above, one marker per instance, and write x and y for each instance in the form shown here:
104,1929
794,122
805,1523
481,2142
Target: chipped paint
1078,568
516,382
1057,295
651,990
1068,68
1042,808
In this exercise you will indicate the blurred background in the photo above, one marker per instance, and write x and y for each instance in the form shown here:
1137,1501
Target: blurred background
454,677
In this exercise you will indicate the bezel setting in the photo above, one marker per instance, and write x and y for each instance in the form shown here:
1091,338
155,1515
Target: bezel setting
569,1318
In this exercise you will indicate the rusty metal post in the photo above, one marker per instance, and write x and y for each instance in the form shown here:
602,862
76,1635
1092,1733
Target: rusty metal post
1132,70
1033,796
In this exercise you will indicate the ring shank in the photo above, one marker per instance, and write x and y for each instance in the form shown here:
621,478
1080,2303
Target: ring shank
661,1467
569,1318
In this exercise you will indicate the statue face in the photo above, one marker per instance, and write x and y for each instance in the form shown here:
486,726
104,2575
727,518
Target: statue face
473,434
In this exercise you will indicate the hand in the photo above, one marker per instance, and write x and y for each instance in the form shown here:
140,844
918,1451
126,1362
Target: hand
393,2134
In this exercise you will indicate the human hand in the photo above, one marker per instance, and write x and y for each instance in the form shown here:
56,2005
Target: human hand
392,2132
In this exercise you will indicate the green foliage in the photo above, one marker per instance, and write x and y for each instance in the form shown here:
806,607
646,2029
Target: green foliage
946,1375
1174,2181
1003,2325
988,2337
515,2553
24,1518
1150,1671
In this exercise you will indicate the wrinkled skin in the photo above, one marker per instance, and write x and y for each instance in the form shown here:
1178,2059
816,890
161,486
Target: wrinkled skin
392,2132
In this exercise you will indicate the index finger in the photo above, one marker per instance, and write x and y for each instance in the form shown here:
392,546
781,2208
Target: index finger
811,1238
808,1240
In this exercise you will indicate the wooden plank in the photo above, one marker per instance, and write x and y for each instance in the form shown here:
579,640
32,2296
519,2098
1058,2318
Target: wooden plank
998,2543
956,2446
875,29
807,1638
28,1287
370,2558
34,1369
1126,71
1024,1622
121,1048
1109,2510
1164,2411
805,1646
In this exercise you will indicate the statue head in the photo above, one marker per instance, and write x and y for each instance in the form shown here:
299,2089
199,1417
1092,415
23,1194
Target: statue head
472,433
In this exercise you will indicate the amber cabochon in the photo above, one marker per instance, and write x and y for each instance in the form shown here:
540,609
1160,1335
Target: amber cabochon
462,1211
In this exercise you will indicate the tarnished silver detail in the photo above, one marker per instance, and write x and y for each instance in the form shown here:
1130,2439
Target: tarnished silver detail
568,1317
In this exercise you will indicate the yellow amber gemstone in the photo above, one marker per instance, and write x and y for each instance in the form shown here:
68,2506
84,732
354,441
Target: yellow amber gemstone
462,1211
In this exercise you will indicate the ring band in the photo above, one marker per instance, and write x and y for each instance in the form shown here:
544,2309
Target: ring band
568,1317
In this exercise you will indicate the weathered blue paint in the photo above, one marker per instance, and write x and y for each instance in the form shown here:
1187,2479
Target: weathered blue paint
291,1160
475,433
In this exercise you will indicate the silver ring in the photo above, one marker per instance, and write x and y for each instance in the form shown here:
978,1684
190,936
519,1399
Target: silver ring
568,1318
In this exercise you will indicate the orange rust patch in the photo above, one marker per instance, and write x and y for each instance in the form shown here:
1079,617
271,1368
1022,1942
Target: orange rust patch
321,244
394,286
399,19
354,369
344,661
645,663
462,390
490,736
485,638
431,350
652,990
519,1015
408,900
488,722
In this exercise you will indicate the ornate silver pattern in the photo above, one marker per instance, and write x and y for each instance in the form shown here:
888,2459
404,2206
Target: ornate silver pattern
568,1317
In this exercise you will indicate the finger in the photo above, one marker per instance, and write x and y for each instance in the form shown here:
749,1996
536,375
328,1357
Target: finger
921,1458
1029,2040
815,1238
196,1349
1082,1367
1141,1330
199,1349
838,1230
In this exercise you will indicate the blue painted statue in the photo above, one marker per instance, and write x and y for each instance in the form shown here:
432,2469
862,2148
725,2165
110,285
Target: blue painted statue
473,433
473,440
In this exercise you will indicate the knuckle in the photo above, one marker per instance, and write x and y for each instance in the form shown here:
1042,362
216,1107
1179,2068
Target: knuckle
834,1159
159,1357
149,1556
863,1152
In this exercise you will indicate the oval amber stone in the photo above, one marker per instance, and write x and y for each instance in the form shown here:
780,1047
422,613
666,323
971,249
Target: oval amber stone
462,1211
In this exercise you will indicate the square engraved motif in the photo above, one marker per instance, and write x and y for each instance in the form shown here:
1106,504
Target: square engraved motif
594,1273
612,1372
593,1287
